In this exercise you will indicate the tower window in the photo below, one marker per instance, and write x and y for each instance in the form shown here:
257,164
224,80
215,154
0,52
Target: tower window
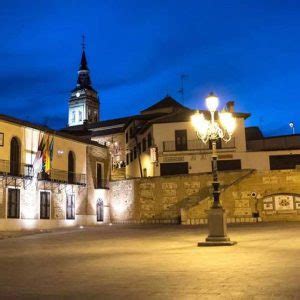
73,116
79,116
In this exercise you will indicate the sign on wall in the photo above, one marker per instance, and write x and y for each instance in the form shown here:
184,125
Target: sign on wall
284,202
154,154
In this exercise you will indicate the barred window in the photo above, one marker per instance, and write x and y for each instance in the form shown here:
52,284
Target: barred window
70,207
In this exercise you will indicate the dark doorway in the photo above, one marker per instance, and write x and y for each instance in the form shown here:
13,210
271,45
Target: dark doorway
45,205
71,167
174,168
15,156
230,164
180,140
100,211
282,162
13,205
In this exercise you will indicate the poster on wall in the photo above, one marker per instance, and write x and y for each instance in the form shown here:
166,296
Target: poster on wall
1,139
284,202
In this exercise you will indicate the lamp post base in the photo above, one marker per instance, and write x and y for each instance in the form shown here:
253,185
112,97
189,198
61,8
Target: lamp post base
217,228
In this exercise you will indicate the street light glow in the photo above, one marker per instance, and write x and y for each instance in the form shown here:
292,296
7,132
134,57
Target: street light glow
212,102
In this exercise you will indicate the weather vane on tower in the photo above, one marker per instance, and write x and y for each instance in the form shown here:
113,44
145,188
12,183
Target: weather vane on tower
83,42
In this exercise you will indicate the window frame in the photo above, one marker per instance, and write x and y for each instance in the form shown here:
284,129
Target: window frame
73,211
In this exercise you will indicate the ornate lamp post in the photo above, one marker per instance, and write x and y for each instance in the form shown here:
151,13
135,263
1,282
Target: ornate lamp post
212,130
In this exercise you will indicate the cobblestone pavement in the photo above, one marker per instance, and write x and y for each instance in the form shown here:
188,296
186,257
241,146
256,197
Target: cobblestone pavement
153,262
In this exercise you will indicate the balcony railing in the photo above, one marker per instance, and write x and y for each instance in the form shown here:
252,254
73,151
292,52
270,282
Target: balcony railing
195,145
60,176
14,169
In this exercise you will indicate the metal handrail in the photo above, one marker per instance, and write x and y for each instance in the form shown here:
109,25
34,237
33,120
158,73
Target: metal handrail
14,169
191,145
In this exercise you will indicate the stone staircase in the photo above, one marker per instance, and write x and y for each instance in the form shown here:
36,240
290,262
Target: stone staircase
118,174
204,197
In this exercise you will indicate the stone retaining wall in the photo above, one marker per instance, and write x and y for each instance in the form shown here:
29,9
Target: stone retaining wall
247,196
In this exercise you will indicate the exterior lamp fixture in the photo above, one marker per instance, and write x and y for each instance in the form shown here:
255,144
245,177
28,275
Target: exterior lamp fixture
292,125
211,130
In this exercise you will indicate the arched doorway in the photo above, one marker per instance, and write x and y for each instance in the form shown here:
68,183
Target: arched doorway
71,167
100,211
15,156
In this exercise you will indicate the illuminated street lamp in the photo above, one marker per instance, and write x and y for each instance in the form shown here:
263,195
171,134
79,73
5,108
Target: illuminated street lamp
212,130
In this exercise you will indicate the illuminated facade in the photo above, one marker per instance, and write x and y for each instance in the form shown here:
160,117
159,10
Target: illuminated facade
50,179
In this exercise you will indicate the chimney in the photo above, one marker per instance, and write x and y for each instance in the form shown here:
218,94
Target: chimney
230,106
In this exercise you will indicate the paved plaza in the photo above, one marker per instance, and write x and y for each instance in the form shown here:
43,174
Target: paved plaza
153,262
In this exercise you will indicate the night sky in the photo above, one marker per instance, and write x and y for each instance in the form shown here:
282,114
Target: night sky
246,51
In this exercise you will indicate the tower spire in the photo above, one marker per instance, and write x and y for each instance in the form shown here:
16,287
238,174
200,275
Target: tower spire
84,101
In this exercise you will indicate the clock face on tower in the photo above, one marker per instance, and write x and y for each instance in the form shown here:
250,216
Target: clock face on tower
77,94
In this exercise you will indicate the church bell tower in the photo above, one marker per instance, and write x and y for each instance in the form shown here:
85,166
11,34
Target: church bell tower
84,100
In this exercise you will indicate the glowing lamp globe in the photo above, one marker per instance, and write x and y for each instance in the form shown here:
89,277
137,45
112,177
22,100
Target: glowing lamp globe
212,102
228,122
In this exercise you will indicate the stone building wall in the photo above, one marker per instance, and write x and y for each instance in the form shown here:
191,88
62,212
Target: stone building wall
247,196
160,199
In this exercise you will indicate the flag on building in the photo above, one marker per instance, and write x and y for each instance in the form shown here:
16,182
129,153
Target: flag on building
46,158
51,149
37,163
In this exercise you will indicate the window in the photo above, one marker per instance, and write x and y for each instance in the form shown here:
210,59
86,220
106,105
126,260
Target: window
127,159
13,203
144,144
180,140
45,198
99,176
134,152
139,148
70,209
131,156
71,167
73,116
79,116
15,156
126,136
149,140
100,211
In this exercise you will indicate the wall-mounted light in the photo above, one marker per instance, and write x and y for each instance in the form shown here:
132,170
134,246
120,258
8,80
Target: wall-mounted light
60,152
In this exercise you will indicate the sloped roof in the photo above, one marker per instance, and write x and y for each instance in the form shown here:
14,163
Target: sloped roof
82,139
166,102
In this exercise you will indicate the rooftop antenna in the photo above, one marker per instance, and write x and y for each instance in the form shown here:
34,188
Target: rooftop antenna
182,90
83,42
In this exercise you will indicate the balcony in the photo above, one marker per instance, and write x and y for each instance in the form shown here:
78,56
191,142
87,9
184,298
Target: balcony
13,169
64,177
196,145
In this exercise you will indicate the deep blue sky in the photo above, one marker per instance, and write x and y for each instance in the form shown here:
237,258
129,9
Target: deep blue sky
246,51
